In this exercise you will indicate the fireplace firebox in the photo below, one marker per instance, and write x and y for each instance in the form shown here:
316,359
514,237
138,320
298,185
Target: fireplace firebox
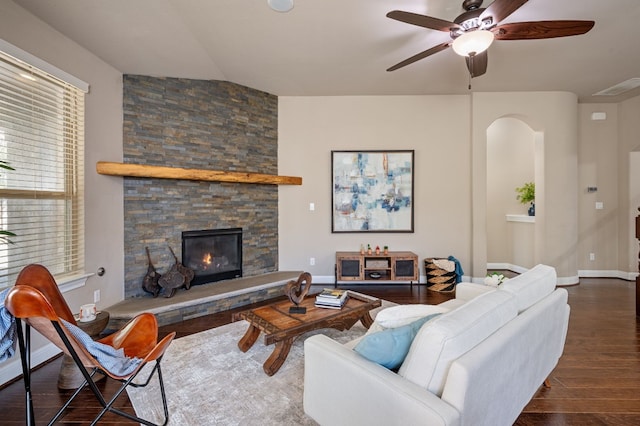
213,255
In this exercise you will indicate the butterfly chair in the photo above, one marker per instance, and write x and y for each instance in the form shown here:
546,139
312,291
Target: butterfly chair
36,300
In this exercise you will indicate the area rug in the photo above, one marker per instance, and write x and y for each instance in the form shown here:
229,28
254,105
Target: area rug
209,381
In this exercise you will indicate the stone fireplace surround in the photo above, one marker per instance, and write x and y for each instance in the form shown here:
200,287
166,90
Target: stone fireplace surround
206,125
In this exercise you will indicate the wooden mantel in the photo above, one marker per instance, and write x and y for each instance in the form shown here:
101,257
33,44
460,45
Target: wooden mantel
140,170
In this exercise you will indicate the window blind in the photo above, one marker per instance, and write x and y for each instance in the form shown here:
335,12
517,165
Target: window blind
41,200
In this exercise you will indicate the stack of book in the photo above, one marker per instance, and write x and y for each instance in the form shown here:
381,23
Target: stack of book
331,298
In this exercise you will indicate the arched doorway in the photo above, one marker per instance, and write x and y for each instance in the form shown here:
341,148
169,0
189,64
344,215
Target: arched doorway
511,162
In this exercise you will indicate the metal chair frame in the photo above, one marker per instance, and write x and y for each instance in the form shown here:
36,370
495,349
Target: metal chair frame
20,296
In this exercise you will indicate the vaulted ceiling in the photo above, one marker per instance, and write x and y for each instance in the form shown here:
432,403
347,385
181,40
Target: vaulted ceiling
343,47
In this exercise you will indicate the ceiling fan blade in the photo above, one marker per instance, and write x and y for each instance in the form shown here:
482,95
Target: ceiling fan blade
477,64
422,21
500,9
419,56
541,29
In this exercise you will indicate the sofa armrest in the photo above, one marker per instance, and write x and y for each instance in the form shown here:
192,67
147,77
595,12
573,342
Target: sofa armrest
467,291
343,388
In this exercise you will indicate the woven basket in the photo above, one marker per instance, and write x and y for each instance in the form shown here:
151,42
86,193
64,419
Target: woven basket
438,279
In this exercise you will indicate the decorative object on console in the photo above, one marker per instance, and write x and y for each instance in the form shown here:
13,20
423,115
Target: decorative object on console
296,292
372,191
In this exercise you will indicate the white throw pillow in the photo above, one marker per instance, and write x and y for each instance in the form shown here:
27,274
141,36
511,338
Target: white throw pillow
400,315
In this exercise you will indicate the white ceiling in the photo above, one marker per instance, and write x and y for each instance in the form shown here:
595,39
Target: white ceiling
343,47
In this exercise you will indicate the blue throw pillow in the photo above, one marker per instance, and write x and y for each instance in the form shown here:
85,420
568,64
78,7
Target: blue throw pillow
390,347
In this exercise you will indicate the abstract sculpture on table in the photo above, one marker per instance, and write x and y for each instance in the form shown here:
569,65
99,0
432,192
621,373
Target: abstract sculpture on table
296,292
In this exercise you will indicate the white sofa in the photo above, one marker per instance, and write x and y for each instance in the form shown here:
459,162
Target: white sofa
479,363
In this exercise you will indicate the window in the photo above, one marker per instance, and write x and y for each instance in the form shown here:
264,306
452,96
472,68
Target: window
41,200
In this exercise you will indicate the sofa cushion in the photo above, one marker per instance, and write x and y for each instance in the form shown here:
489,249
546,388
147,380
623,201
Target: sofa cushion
531,286
452,334
389,347
397,316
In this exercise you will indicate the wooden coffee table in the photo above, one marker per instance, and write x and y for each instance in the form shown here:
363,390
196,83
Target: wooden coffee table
282,328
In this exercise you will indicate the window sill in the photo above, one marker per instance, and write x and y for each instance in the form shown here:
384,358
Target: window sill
71,283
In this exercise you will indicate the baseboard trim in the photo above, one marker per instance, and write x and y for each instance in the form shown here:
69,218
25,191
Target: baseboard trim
582,273
13,368
588,273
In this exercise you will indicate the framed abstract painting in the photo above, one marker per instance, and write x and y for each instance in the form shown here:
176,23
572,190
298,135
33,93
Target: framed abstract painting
372,191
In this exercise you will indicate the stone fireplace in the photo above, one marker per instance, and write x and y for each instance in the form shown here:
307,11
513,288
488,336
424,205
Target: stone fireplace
213,255
197,124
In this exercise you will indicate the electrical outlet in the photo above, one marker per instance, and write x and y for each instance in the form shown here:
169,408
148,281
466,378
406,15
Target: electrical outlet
96,296
592,256
312,261
312,206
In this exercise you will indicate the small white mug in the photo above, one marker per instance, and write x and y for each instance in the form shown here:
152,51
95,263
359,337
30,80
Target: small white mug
88,312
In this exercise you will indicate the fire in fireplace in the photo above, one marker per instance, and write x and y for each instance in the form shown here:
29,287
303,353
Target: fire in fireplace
213,255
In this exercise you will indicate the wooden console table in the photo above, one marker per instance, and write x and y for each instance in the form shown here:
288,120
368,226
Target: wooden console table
393,266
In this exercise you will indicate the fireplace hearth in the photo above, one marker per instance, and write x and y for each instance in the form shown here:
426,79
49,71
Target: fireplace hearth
213,255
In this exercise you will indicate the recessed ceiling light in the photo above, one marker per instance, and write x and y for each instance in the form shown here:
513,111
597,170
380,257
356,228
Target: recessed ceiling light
280,5
619,88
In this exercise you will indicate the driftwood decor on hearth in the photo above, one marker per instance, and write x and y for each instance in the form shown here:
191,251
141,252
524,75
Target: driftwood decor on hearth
186,272
150,280
177,276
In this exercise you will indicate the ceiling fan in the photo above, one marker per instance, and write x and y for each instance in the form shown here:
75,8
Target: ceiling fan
474,30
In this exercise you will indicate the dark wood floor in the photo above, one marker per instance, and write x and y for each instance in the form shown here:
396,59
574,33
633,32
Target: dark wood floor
597,381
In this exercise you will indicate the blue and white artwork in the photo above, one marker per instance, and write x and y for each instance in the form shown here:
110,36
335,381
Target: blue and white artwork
372,191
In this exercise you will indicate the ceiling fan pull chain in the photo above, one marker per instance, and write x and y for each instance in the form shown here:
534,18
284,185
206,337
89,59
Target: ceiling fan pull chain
470,68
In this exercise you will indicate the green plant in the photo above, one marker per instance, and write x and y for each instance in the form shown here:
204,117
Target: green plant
5,165
4,235
526,193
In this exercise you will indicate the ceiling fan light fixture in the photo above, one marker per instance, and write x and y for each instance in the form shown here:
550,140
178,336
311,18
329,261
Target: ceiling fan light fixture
471,43
280,5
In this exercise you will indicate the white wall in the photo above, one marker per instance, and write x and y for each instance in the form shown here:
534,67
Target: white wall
553,117
450,201
598,159
628,132
103,141
436,127
450,183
